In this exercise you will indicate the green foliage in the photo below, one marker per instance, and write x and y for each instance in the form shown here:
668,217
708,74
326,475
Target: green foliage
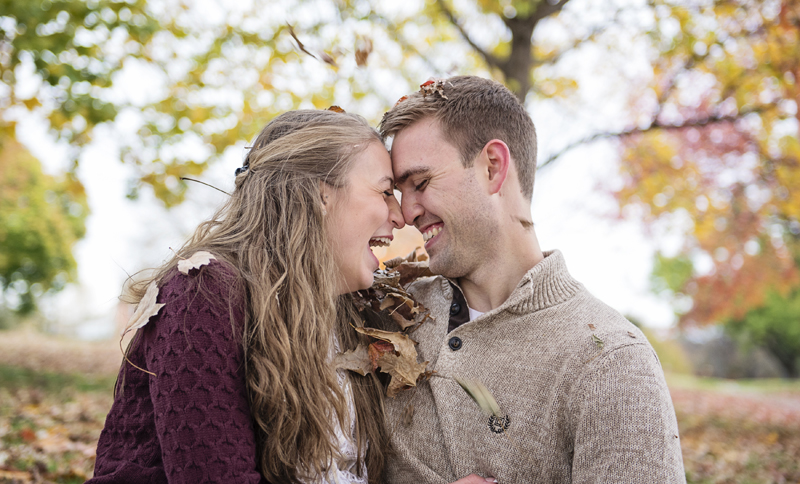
670,273
775,326
41,218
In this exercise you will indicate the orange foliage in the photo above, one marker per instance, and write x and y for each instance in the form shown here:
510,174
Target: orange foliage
722,149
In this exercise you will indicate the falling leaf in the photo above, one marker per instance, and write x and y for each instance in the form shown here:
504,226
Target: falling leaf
363,52
299,44
326,58
401,100
591,326
336,109
146,309
631,334
357,360
598,342
481,395
197,260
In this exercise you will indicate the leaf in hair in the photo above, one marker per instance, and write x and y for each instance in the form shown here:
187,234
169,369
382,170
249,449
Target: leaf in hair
196,261
146,309
432,86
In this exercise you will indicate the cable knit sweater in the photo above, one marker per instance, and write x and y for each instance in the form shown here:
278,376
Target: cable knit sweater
190,423
581,392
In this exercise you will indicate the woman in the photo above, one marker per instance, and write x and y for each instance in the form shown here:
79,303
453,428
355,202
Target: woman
232,381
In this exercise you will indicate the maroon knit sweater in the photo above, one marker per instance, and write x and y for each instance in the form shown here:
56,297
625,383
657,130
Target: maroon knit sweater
191,421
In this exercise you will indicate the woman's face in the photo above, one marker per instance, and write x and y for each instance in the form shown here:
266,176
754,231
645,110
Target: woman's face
361,215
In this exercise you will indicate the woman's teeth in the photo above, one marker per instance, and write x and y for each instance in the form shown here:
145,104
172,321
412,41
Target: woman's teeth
431,233
379,242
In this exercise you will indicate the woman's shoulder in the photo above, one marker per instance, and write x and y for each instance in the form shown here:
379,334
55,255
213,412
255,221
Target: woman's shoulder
216,286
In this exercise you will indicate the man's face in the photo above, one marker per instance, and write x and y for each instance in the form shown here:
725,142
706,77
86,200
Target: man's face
442,199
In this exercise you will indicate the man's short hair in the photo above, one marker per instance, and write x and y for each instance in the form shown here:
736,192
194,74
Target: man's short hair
472,112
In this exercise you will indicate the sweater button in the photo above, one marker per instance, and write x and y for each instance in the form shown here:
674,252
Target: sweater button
455,308
454,343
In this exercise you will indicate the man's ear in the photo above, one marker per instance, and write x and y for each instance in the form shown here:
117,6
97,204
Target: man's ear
497,157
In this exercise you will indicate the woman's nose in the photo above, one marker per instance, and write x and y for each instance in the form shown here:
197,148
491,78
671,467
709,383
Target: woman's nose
395,213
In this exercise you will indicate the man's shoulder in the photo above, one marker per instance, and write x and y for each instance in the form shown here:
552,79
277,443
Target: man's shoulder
586,312
432,287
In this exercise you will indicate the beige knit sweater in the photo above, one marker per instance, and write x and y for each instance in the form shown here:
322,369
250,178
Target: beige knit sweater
578,409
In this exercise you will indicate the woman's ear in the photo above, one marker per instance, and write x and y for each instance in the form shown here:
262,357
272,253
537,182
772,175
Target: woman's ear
325,192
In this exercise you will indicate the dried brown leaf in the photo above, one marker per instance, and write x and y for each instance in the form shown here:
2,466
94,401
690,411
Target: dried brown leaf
357,360
328,59
387,278
197,260
404,371
146,309
401,364
363,52
401,321
299,44
411,271
376,350
403,345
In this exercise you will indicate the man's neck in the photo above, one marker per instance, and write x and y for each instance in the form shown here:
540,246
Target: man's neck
496,278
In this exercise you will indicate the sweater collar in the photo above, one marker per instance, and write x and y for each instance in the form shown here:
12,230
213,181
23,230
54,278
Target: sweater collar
547,284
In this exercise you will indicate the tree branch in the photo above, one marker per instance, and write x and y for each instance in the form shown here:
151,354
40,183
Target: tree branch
655,125
546,9
489,58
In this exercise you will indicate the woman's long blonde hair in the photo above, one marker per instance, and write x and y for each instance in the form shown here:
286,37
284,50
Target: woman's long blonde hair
272,232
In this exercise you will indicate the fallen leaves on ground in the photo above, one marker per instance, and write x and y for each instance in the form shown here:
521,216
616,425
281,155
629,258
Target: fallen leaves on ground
730,436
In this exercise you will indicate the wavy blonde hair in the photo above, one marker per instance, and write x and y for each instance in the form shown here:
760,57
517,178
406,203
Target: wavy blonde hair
271,231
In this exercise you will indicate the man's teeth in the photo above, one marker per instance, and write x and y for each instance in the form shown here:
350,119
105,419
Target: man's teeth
379,242
431,233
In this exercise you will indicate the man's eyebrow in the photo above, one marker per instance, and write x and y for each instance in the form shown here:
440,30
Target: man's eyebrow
419,170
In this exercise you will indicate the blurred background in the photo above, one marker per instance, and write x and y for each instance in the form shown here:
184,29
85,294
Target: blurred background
669,152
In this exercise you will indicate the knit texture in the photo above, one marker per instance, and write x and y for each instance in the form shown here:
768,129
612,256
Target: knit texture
575,408
190,423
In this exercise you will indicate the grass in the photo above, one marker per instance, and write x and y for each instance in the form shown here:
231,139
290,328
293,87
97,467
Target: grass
754,386
13,378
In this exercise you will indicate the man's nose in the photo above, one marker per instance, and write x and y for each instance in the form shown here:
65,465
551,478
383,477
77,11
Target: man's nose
412,210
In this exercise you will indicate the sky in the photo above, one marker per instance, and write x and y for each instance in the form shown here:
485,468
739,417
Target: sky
572,210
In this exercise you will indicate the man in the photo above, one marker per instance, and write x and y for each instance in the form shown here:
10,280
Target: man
581,392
